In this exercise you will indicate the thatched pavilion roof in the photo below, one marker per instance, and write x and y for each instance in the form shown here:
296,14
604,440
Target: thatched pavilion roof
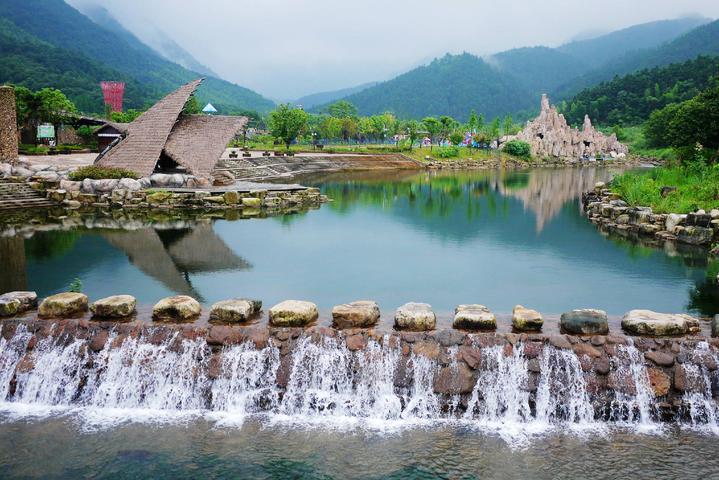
198,141
146,136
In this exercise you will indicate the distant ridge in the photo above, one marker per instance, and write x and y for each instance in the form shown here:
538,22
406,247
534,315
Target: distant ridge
510,82
72,32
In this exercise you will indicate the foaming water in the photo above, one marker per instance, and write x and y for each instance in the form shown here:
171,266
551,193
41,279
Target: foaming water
702,411
321,383
633,396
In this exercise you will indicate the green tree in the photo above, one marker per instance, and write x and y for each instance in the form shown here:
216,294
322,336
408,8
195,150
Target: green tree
456,137
287,123
493,131
448,124
508,127
433,128
331,128
192,107
54,106
411,127
342,109
473,121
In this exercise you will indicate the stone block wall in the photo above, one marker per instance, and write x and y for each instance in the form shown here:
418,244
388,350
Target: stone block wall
8,125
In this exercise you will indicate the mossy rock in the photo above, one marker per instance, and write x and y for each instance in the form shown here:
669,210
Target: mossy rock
63,305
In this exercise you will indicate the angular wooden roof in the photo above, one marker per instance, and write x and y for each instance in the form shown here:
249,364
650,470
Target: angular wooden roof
198,141
140,150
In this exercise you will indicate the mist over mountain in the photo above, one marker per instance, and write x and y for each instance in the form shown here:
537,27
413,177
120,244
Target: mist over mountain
114,55
511,82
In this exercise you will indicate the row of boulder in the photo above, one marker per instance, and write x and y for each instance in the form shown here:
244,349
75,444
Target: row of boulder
360,314
606,208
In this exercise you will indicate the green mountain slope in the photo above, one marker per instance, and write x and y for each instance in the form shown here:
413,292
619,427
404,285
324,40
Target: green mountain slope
165,46
310,101
703,40
30,62
55,22
541,69
510,82
595,52
453,85
630,99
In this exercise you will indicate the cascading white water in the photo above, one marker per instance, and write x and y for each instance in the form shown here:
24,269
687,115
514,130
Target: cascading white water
138,374
701,408
328,381
500,394
246,383
11,351
632,403
328,384
562,392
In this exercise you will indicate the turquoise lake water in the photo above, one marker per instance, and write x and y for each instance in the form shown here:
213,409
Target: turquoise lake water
494,238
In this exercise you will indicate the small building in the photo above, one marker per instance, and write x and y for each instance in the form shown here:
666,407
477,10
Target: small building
110,132
163,139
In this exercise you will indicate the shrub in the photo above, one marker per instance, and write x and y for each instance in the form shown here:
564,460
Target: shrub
518,148
95,172
447,152
75,286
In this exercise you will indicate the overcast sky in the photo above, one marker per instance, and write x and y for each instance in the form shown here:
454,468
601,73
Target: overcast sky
284,49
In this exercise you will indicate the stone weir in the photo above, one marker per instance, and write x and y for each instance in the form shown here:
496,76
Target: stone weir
326,372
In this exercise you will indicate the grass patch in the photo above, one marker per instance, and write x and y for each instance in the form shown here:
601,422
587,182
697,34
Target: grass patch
95,172
697,186
633,137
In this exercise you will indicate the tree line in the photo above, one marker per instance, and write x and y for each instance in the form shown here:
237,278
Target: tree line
341,123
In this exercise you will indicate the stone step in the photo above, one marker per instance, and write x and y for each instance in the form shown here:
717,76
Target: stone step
21,195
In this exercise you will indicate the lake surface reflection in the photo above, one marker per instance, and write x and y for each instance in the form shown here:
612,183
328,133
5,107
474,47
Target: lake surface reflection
444,238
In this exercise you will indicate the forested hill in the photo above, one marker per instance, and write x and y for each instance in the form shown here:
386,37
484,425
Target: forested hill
703,40
510,82
56,23
26,60
630,99
599,50
451,85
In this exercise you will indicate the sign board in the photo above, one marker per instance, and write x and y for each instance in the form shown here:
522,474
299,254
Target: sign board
46,131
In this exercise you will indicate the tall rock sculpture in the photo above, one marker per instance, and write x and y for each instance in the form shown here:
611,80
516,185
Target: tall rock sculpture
549,135
8,125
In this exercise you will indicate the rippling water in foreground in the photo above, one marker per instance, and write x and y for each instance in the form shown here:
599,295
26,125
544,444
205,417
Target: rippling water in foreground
58,448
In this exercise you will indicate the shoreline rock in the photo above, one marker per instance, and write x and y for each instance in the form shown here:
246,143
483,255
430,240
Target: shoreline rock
649,323
474,317
359,314
176,308
526,319
415,317
63,305
293,313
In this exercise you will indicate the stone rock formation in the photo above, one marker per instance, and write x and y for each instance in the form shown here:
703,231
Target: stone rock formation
549,135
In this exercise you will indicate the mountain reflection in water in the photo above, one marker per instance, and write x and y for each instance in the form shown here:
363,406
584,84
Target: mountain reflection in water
441,237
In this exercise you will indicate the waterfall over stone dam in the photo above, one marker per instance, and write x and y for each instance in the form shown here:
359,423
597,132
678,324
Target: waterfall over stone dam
360,377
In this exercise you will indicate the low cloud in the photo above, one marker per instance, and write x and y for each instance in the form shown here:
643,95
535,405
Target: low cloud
288,48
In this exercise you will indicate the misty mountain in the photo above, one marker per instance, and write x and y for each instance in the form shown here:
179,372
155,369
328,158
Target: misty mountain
597,51
310,101
61,26
703,40
162,44
451,85
629,100
26,60
510,81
